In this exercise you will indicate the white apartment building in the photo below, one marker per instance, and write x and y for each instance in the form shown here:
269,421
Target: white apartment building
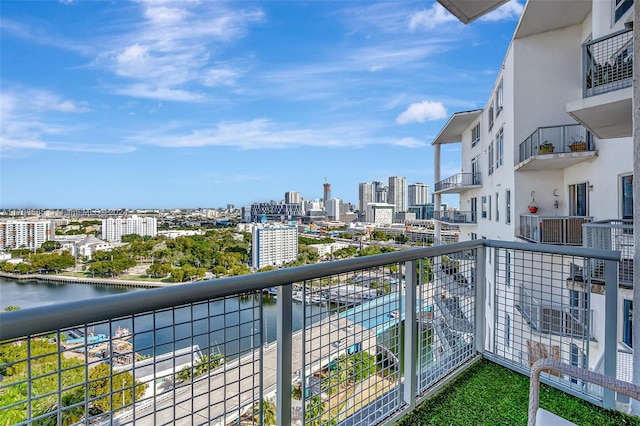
366,195
551,151
418,194
292,197
273,245
114,229
334,207
398,192
29,234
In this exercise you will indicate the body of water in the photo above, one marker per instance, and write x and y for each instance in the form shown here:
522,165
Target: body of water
230,326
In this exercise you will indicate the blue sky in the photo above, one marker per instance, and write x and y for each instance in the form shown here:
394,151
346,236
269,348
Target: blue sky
160,104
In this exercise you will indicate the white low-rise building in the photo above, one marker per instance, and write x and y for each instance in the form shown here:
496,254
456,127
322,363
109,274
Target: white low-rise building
326,250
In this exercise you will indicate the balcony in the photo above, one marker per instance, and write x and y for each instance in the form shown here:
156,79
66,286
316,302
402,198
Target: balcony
457,217
458,183
563,230
614,234
570,144
607,78
204,352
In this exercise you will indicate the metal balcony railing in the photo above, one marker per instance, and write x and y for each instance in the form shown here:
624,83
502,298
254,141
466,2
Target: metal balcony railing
459,181
614,234
456,217
359,341
556,140
555,318
608,63
564,230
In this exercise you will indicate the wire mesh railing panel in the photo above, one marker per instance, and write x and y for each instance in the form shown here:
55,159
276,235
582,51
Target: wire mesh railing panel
189,364
539,311
445,315
351,362
612,235
608,63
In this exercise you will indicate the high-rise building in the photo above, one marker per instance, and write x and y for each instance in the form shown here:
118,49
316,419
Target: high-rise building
334,207
366,195
28,233
291,197
398,192
381,192
262,212
418,194
114,229
327,193
273,245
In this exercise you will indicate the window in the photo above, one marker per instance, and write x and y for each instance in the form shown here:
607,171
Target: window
578,205
507,276
499,148
475,135
474,236
499,99
491,117
474,208
489,209
484,206
508,205
475,170
490,157
621,6
627,197
497,208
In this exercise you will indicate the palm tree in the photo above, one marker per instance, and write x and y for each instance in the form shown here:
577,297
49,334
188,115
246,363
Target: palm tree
315,410
184,375
268,412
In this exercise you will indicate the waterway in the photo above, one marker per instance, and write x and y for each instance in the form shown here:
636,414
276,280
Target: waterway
230,326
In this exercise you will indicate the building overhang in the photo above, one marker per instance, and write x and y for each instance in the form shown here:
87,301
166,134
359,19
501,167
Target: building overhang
555,161
458,123
470,10
540,16
607,116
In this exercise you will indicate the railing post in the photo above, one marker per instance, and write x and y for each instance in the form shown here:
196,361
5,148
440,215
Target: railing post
480,298
283,381
410,334
610,329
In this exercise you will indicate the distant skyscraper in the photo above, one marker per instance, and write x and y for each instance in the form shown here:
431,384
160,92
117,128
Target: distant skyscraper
381,192
291,197
398,193
333,208
327,193
366,195
418,194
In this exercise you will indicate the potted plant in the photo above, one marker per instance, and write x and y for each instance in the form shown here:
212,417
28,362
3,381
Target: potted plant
577,145
546,148
533,206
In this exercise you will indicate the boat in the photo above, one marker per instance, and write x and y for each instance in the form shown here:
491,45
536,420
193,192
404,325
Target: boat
122,332
394,314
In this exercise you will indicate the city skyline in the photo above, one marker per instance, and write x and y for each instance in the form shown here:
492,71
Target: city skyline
142,105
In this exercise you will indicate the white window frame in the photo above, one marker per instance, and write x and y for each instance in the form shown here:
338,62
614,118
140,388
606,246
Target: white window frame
490,158
475,134
499,98
499,147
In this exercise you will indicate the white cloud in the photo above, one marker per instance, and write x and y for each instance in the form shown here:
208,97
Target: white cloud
160,93
27,124
421,112
410,143
429,19
507,12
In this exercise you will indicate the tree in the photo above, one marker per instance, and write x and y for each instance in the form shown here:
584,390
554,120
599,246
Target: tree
268,412
50,245
159,270
315,411
12,308
118,387
130,238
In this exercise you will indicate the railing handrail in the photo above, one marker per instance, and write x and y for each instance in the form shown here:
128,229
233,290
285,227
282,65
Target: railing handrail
42,319
455,175
545,364
611,223
606,37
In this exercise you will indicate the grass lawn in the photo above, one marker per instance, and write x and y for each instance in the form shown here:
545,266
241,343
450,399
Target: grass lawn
489,394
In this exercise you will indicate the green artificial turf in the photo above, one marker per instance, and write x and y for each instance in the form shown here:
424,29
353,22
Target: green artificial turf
489,394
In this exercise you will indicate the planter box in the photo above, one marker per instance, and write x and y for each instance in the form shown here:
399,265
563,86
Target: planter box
546,149
582,146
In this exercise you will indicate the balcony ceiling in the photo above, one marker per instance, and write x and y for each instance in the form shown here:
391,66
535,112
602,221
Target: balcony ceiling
457,189
469,10
458,123
555,161
540,16
607,115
